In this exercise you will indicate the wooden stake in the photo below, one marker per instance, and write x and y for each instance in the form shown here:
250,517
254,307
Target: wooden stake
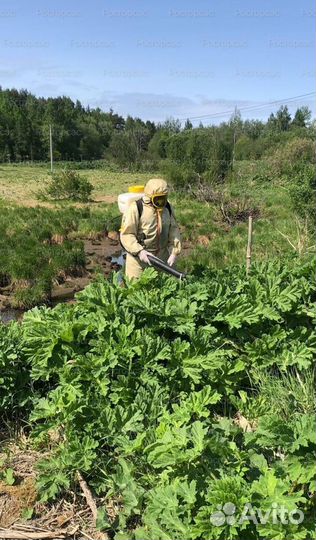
249,245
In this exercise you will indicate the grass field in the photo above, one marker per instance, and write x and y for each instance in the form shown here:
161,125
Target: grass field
21,183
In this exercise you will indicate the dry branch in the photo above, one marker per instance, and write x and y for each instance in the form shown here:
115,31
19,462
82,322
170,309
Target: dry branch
88,496
28,535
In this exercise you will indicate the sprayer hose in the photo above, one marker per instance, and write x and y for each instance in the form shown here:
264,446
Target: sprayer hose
158,263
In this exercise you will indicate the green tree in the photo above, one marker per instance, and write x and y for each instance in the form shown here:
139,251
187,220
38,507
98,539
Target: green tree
123,149
302,117
157,147
188,124
138,133
177,147
171,125
283,118
90,146
253,128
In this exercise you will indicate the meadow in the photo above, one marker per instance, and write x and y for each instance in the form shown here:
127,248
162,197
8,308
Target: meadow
42,238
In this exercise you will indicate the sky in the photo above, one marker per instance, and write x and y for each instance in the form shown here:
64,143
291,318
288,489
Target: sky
181,59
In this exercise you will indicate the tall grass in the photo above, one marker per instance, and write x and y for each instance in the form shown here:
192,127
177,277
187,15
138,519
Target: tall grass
37,244
287,393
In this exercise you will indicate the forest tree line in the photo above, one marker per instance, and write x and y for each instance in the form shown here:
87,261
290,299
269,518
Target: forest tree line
84,133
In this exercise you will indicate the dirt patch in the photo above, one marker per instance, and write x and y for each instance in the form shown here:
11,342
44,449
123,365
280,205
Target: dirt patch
33,203
67,290
203,240
106,198
15,499
186,249
69,517
101,254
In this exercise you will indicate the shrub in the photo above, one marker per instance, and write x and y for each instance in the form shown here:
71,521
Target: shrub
180,176
289,157
237,209
248,148
69,184
302,191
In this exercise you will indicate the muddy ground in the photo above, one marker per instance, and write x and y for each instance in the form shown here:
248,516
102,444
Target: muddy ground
103,254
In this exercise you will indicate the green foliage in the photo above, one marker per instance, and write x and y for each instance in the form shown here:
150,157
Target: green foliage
30,256
250,148
27,513
199,155
69,185
180,176
303,191
165,396
123,149
294,164
302,117
8,477
14,372
287,159
290,392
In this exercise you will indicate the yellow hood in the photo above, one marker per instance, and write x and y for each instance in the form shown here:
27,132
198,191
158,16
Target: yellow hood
155,186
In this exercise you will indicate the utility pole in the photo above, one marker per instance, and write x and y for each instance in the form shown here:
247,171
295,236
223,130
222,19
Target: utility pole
51,147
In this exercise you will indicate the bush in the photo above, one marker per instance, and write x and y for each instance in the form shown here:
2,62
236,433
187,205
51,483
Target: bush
248,148
290,157
69,184
180,176
303,190
237,209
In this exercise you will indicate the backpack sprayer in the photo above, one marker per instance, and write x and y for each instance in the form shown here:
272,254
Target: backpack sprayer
135,193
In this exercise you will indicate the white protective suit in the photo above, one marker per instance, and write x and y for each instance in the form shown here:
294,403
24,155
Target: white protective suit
156,230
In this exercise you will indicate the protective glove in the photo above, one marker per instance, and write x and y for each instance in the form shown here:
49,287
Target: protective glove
143,256
171,260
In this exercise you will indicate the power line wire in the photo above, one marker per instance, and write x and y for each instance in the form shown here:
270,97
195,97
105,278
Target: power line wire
248,108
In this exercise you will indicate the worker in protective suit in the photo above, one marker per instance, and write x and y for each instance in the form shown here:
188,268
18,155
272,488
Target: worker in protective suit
149,227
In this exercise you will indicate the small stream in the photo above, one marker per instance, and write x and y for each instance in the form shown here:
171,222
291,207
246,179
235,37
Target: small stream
120,259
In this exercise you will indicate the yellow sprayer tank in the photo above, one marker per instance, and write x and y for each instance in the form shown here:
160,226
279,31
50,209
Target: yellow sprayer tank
125,199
